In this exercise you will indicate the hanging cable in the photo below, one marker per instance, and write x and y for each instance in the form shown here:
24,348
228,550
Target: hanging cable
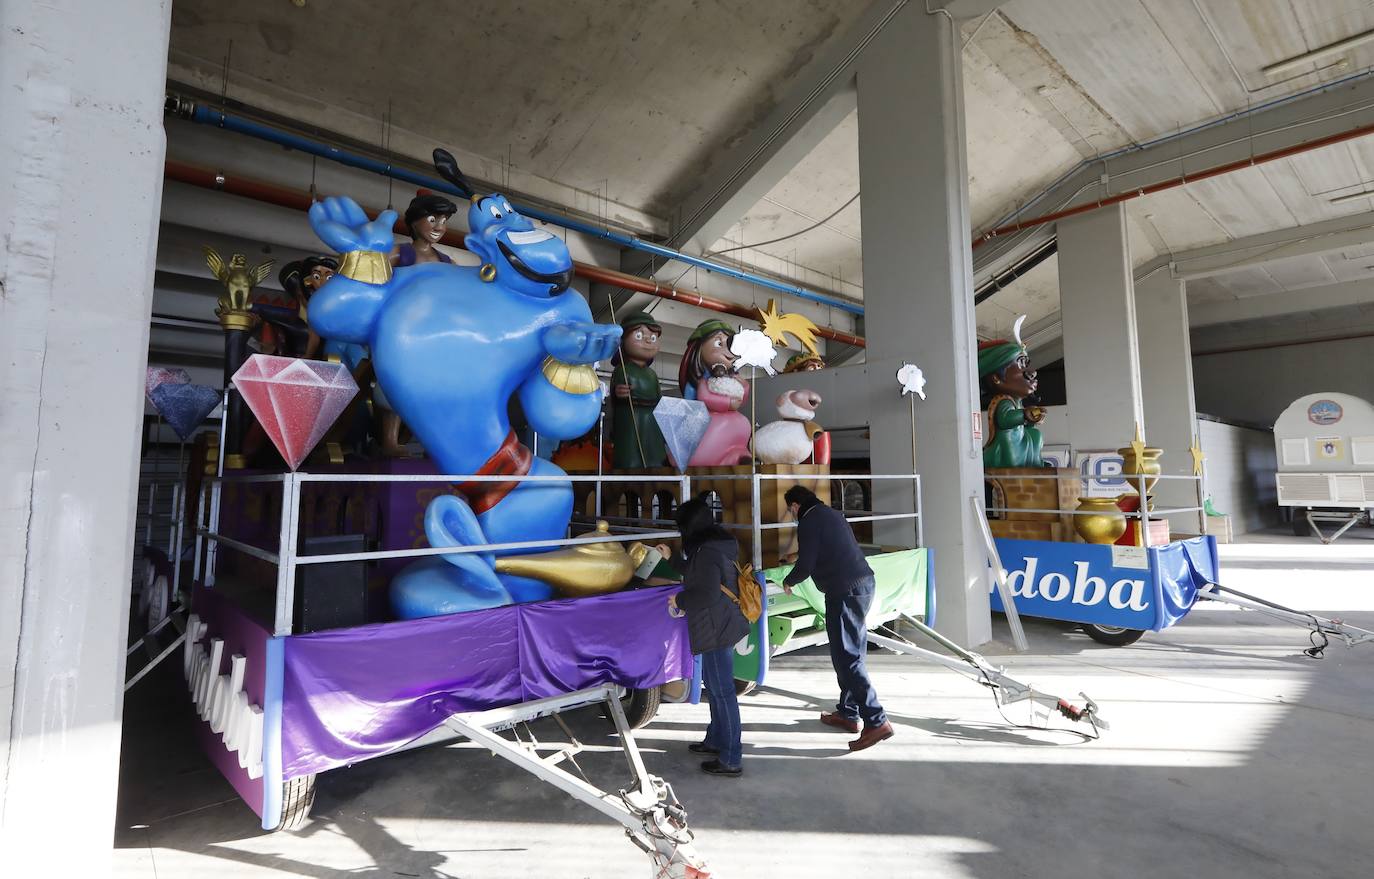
790,235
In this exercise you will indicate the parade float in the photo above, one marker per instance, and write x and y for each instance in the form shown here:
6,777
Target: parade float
1068,544
1325,448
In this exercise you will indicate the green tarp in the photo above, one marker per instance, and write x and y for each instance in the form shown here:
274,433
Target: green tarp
901,586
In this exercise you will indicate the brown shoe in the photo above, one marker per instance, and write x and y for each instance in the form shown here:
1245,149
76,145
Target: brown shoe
830,718
871,736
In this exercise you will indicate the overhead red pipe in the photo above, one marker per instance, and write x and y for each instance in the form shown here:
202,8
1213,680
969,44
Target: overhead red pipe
1217,171
281,196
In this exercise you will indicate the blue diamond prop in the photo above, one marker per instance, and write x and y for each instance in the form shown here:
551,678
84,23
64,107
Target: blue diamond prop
184,407
158,374
683,423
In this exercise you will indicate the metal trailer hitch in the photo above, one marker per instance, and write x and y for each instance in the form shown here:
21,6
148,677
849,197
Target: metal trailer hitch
1319,627
1006,689
648,809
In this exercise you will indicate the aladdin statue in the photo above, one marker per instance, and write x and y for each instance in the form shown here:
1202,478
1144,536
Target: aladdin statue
1005,381
427,219
707,374
637,440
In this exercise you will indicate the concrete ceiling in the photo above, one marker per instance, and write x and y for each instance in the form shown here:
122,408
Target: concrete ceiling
615,108
625,102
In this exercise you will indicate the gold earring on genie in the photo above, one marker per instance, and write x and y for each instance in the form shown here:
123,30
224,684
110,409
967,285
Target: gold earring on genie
487,272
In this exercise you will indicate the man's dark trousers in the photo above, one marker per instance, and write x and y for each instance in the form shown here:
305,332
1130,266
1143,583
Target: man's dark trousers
848,634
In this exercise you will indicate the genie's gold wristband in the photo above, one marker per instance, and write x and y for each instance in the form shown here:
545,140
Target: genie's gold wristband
368,266
573,379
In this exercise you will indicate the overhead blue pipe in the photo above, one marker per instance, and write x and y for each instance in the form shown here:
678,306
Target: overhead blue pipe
207,116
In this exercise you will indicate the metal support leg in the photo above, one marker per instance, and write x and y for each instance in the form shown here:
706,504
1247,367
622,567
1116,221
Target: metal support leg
1316,529
1018,634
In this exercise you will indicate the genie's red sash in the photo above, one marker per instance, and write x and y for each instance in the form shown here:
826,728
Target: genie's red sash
511,459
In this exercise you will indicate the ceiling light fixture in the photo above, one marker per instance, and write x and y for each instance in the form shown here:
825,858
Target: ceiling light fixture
1327,51
1352,196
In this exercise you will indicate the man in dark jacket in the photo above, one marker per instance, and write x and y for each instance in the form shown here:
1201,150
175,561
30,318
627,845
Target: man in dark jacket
828,553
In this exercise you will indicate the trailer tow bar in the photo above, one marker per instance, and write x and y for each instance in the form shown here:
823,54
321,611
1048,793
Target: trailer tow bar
1319,627
648,809
1006,690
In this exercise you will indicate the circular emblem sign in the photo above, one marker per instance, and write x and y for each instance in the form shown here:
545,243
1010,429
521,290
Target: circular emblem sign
1324,412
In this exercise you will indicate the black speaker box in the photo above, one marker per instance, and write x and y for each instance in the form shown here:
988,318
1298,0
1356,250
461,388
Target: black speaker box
333,595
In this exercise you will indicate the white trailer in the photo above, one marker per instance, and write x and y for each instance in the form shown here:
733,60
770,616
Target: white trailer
1325,446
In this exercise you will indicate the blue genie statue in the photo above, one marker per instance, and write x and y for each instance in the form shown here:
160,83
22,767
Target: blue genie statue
451,345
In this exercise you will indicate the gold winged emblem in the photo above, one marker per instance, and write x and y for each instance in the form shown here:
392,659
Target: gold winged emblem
238,282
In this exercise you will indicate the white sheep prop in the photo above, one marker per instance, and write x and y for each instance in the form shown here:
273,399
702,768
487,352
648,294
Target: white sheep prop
789,441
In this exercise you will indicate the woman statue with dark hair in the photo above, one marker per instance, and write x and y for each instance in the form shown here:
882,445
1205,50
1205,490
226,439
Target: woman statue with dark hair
427,219
707,373
714,624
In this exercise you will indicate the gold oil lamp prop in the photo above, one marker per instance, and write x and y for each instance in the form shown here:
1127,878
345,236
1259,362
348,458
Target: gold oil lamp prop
576,571
1139,460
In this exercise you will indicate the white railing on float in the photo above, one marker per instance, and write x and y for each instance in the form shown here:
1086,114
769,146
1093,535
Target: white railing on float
287,559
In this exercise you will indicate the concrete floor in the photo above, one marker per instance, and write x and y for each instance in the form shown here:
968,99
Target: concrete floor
1230,754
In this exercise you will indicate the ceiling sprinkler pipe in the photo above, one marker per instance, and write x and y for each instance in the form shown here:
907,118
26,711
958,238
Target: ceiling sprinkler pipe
199,113
281,196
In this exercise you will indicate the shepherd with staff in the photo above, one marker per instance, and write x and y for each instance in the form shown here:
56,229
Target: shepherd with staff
638,442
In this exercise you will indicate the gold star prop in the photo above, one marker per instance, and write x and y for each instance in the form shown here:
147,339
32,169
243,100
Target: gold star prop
775,326
1138,445
1196,451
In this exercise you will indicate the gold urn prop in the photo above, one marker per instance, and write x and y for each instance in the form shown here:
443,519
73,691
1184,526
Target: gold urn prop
1140,461
576,571
1104,523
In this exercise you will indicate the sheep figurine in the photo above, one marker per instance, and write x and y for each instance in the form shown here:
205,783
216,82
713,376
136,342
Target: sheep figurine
790,440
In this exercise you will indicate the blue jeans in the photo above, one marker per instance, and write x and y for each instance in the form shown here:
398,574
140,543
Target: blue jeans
844,626
723,733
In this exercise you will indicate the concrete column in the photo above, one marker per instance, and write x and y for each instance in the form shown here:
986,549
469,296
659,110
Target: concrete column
1097,302
81,149
1166,379
918,299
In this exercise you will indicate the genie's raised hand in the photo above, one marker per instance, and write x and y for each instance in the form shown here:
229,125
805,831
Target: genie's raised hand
342,225
582,342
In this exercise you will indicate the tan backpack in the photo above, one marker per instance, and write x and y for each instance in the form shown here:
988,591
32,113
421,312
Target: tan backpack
750,597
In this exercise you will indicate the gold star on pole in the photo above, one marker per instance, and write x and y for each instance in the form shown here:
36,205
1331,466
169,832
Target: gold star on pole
1138,445
1196,451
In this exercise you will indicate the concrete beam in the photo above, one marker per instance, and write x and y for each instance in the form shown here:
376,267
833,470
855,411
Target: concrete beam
1269,247
1279,304
1280,124
961,9
754,162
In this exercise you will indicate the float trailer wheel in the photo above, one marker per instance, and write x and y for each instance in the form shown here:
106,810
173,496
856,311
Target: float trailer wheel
1113,636
640,706
297,798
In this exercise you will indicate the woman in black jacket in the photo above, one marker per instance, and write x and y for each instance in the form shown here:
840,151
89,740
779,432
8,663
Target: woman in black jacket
714,625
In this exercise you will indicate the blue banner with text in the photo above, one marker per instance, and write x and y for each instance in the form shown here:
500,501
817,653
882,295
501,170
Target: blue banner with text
1126,586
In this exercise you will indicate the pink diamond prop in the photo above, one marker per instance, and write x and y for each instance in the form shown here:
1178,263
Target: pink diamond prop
158,375
296,401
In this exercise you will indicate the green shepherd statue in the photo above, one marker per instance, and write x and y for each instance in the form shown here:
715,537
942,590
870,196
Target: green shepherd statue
637,441
1005,380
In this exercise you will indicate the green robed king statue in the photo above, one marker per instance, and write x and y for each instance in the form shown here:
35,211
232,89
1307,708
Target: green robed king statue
1005,381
